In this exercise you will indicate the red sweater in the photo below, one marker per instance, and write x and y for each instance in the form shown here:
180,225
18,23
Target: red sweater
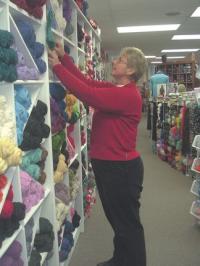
117,115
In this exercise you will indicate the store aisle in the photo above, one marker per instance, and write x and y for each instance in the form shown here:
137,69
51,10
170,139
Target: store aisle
172,238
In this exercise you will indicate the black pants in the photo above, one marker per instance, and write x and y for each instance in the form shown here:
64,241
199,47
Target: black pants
120,184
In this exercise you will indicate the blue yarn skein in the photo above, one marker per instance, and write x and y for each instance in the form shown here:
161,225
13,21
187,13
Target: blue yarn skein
22,96
68,227
62,107
39,49
66,245
57,91
41,65
19,136
21,113
21,118
27,31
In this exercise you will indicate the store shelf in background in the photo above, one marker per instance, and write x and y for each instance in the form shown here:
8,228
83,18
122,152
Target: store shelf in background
21,45
38,82
195,188
8,241
76,234
196,142
36,207
81,50
83,146
17,12
196,162
81,17
192,210
9,174
61,36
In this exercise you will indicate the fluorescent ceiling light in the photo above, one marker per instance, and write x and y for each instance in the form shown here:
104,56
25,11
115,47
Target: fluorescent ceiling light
175,57
186,37
156,62
148,28
179,50
196,12
150,56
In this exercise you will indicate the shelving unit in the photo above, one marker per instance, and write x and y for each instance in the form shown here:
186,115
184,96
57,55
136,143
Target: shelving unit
180,72
195,188
39,90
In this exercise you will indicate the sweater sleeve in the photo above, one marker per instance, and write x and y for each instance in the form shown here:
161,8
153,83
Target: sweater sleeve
109,99
67,62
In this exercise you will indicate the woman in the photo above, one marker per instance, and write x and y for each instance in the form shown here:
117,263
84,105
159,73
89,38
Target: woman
117,165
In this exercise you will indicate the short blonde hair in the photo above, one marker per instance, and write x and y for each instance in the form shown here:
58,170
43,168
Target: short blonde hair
135,60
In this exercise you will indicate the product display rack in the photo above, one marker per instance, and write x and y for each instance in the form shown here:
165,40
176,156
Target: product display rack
180,72
195,188
39,90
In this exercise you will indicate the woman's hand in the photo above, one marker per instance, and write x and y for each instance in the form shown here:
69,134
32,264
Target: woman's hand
53,58
59,49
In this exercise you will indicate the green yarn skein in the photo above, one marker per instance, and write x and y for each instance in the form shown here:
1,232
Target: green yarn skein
6,39
8,72
57,141
33,170
8,56
50,37
34,156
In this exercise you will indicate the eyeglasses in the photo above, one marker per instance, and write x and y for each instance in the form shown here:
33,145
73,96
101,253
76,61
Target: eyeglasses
120,60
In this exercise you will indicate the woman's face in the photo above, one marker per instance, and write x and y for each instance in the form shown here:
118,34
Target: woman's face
120,68
119,65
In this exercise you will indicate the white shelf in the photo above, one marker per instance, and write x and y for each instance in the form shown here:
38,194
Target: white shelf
9,174
83,146
82,17
8,241
3,2
55,81
195,142
67,40
36,207
57,33
81,51
38,81
73,159
39,90
76,234
194,188
44,256
196,161
21,45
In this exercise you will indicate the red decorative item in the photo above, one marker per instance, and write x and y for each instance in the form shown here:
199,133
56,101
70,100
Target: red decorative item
197,168
1,195
10,194
35,10
88,198
7,210
79,3
3,181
